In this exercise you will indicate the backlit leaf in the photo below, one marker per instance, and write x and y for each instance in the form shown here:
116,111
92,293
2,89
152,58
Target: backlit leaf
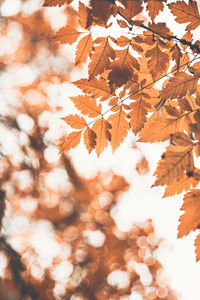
71,141
101,128
67,35
56,2
185,13
83,49
86,106
179,86
158,61
154,7
100,59
75,121
189,221
119,128
189,179
173,165
89,137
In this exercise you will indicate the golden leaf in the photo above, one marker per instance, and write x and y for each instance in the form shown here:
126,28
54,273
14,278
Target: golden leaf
101,128
83,49
132,8
173,165
158,61
179,85
56,2
89,137
67,35
87,106
97,88
138,114
154,7
119,128
71,141
75,121
158,127
185,13
100,59
189,179
190,220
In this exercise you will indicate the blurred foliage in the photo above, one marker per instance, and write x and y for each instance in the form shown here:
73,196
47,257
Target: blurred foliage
58,237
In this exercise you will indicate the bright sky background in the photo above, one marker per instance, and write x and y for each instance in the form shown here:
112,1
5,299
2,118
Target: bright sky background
141,201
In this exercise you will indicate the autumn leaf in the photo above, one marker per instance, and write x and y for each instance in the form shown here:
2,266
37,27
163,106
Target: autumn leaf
176,54
83,49
185,13
100,59
131,9
138,114
71,141
85,17
56,2
102,11
197,247
173,165
181,139
189,221
154,7
158,61
87,106
101,128
89,137
66,35
159,127
75,121
119,128
189,179
97,88
179,85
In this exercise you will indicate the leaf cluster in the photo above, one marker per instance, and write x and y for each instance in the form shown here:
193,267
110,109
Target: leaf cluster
121,94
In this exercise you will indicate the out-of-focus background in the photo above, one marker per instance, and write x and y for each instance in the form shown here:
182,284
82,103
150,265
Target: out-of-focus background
48,203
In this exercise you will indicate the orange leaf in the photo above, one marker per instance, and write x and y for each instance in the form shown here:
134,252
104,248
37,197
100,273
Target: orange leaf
132,8
75,121
86,106
100,59
89,139
173,165
176,54
138,115
154,7
83,49
158,61
119,128
102,11
56,2
67,35
197,247
185,13
190,220
158,128
172,110
180,85
189,179
181,139
97,88
101,128
71,141
85,18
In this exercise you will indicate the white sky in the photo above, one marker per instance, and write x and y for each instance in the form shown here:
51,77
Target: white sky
141,201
